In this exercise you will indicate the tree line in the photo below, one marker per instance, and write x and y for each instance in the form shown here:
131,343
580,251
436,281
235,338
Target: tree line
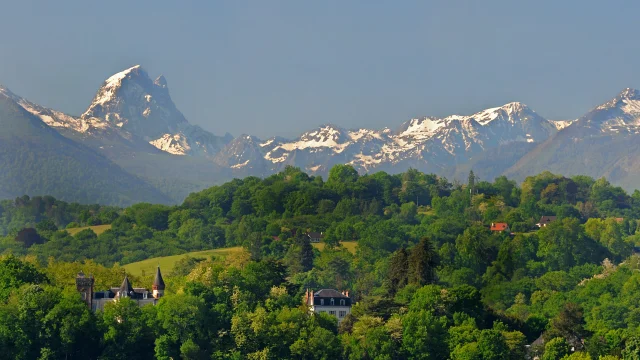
430,278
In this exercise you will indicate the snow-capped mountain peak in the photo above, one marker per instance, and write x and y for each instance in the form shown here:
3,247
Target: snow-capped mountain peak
132,101
422,128
619,115
111,85
626,96
629,93
328,136
511,112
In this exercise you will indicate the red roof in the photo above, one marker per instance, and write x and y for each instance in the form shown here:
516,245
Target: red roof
499,226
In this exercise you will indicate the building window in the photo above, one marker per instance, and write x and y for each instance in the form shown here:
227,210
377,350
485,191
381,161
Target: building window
321,301
333,313
342,302
342,314
332,302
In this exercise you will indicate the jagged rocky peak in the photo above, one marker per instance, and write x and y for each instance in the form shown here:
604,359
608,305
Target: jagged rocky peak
629,93
161,81
7,93
512,112
624,97
132,101
324,133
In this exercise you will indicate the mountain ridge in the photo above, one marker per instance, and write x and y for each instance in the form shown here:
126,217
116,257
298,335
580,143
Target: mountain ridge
133,121
38,160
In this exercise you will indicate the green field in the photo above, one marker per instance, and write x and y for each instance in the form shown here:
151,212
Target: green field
349,245
166,262
98,229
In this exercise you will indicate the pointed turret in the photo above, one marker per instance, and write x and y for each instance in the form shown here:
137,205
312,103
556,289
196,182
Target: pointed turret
126,290
158,284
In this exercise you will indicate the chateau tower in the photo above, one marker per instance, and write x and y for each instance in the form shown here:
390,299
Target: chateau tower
84,285
158,284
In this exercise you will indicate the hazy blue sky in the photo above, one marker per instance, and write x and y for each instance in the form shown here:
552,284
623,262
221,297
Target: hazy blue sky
281,67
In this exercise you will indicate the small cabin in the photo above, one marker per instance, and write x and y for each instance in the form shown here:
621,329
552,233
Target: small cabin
546,220
501,226
315,237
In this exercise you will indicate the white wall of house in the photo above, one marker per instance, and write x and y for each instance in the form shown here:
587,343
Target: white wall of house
338,311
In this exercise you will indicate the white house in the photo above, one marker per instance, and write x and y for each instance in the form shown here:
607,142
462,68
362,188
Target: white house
331,301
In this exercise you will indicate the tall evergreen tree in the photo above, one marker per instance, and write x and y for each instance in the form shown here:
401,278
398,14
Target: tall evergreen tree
299,258
422,263
398,271
472,183
306,253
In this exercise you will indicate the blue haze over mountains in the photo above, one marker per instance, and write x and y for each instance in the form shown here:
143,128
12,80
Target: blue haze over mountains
133,144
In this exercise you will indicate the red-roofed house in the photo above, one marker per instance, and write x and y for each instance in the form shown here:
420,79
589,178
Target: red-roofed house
500,227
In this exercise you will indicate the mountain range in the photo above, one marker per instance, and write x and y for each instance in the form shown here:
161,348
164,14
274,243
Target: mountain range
132,144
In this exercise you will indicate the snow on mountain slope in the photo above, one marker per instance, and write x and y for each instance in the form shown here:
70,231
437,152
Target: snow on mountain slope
131,108
619,115
603,142
131,101
53,118
131,111
561,124
175,144
428,140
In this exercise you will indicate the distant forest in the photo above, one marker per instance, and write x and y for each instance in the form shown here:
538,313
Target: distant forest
432,275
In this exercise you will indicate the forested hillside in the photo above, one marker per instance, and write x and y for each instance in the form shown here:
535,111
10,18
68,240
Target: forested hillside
430,278
37,160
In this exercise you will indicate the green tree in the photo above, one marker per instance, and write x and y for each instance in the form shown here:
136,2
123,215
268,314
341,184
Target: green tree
183,319
422,260
369,339
563,244
299,257
631,349
492,345
424,335
569,324
342,178
556,348
14,273
397,277
126,335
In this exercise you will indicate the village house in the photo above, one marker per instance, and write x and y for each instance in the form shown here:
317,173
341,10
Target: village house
545,220
97,300
315,237
329,301
500,227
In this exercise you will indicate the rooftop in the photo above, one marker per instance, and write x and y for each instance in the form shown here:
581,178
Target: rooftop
329,293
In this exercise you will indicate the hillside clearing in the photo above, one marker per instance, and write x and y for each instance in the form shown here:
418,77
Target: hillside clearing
166,263
98,229
349,245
